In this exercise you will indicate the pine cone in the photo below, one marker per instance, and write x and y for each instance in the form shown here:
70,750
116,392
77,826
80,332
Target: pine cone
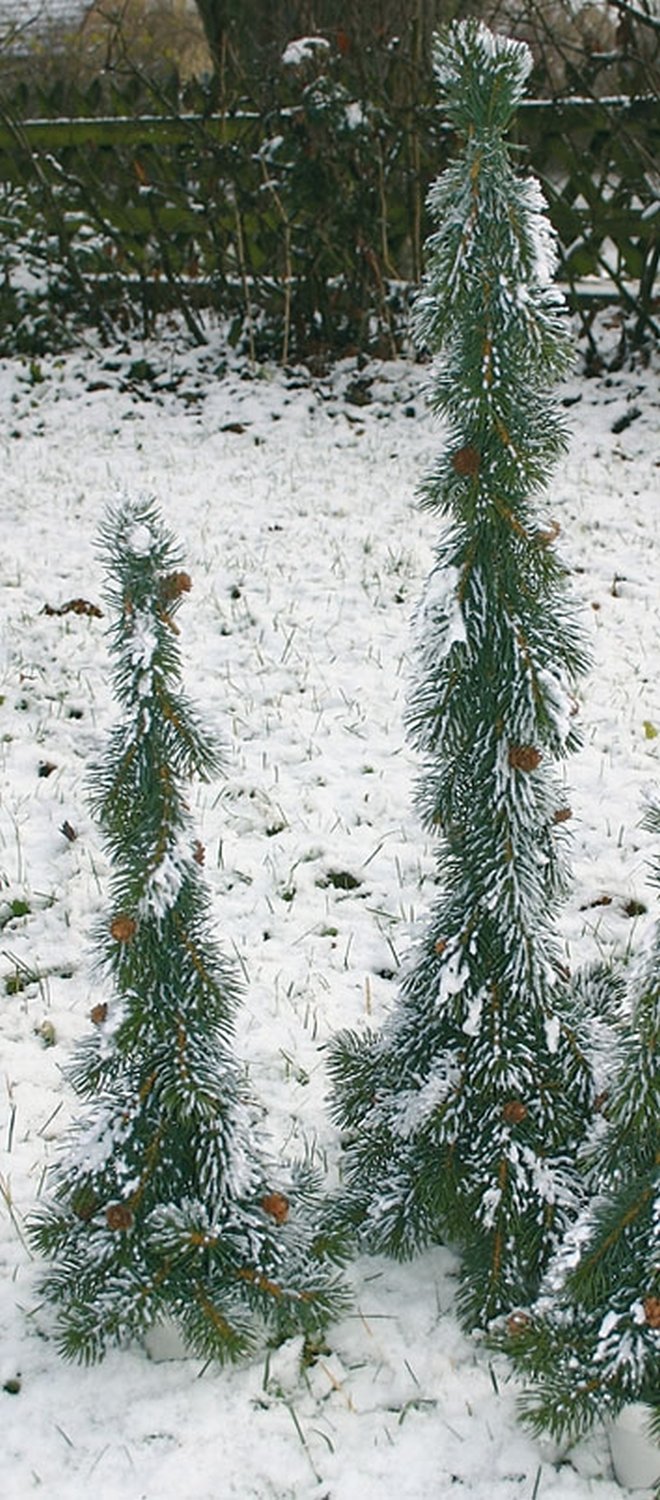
466,462
98,1013
118,1216
175,584
276,1206
123,928
514,1111
516,1323
651,1307
524,757
562,815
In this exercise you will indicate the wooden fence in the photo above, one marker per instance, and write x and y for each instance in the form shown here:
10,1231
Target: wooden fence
305,227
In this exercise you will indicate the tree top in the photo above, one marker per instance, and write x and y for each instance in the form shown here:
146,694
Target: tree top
481,76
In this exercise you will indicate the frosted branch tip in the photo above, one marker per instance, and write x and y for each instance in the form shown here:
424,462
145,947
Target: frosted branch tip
481,76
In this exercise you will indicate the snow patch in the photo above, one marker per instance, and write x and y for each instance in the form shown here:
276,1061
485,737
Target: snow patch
139,539
302,49
413,1108
164,884
558,702
355,115
473,1018
453,977
439,621
552,1032
144,645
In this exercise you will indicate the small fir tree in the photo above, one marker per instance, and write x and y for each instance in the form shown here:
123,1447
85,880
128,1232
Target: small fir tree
592,1342
463,1116
164,1203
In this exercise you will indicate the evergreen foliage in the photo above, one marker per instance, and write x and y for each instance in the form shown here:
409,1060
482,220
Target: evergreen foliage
462,1118
592,1341
164,1203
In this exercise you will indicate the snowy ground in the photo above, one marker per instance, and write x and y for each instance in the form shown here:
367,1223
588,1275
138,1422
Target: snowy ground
294,503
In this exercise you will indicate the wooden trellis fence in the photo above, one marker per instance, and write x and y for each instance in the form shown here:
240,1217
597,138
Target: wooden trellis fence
306,226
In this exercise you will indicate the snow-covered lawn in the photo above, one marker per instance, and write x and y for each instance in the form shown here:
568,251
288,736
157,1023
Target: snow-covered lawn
294,501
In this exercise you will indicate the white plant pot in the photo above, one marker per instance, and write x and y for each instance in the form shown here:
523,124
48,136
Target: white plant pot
635,1457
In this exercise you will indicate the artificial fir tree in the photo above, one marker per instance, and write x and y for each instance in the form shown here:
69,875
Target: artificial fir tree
164,1205
462,1118
592,1342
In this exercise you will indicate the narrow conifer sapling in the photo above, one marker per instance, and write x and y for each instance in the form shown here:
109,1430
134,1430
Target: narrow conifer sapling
591,1344
463,1116
164,1204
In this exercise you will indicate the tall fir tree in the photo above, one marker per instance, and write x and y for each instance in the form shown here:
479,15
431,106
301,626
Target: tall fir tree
462,1118
164,1205
591,1344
